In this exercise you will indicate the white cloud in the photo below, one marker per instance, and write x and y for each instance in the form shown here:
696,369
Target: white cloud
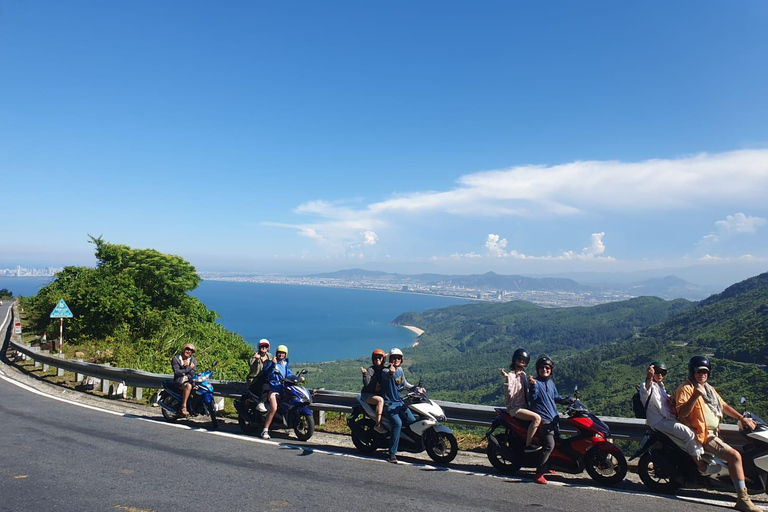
495,247
370,238
535,191
733,225
739,223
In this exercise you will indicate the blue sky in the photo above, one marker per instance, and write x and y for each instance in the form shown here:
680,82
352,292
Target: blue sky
519,137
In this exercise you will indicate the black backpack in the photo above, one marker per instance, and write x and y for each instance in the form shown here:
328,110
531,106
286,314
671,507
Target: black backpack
637,405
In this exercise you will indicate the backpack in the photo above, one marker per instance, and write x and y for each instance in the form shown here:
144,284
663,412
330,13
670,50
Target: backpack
637,405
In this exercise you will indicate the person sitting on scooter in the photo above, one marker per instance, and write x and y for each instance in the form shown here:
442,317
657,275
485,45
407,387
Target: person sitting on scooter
660,415
544,396
516,395
392,382
371,391
183,370
701,408
276,370
256,379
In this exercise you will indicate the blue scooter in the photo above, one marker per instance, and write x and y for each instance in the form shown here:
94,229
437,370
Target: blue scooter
200,401
292,410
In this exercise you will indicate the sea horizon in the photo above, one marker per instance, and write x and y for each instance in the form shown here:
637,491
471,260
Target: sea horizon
317,323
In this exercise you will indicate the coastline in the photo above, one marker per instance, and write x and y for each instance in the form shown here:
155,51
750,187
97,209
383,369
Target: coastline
411,328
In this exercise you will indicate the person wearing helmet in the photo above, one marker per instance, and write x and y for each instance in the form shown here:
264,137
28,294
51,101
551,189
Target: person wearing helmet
660,415
392,382
544,396
184,365
701,408
371,391
256,380
276,371
516,387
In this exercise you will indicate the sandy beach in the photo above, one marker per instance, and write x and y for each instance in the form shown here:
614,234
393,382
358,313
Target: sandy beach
418,331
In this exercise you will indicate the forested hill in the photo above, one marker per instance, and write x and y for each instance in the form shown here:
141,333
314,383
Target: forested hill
460,353
730,327
732,324
475,326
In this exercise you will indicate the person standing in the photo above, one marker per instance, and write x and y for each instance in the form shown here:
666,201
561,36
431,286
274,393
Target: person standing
392,382
276,371
544,396
184,365
701,408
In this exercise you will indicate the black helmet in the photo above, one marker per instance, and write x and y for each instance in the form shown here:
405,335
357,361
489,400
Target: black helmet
544,360
698,363
520,353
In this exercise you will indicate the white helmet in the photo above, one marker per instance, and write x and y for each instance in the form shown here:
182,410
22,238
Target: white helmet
264,341
395,352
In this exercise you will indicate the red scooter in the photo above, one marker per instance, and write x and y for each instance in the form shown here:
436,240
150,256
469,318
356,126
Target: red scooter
588,449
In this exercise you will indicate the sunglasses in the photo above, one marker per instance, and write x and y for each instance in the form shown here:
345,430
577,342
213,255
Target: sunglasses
378,357
546,367
660,372
702,372
189,350
396,357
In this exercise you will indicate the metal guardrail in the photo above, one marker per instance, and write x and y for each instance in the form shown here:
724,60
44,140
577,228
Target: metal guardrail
328,400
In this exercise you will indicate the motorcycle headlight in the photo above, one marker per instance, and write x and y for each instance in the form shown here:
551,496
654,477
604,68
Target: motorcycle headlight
441,418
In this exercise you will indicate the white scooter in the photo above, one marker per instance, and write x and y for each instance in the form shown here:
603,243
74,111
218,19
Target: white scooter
426,433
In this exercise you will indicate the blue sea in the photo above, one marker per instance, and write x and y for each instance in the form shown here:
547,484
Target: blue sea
316,323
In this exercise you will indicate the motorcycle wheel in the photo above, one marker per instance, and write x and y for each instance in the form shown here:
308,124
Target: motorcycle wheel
212,412
170,402
246,425
441,447
305,427
364,445
653,478
605,468
497,460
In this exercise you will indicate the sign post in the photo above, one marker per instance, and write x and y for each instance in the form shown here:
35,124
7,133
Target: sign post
61,311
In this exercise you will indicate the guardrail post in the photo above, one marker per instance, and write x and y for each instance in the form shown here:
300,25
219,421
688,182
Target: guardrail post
219,403
319,417
60,371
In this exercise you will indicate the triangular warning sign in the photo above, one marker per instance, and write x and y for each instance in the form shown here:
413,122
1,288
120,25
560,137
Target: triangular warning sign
61,310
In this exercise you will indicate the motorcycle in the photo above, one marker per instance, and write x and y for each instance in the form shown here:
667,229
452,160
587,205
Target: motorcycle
426,433
200,401
292,410
664,467
589,449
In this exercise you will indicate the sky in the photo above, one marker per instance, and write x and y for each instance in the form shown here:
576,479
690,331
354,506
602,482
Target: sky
525,138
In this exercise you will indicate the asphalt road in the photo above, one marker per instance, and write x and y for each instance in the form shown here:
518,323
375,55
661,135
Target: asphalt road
63,450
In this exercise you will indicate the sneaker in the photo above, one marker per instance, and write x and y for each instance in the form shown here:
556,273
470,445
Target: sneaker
261,407
265,434
531,448
540,479
392,458
380,429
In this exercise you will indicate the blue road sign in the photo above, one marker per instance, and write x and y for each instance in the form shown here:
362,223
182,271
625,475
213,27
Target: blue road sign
61,310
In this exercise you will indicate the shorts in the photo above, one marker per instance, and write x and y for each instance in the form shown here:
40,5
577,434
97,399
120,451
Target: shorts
366,396
717,447
513,410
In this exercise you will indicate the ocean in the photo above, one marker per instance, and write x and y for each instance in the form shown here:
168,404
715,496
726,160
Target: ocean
316,323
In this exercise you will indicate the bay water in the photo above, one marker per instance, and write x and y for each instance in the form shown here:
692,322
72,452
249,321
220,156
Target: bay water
316,323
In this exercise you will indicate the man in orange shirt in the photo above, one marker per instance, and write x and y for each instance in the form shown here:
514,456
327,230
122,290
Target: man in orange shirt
701,408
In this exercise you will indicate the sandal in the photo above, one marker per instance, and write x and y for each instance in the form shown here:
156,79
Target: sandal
184,411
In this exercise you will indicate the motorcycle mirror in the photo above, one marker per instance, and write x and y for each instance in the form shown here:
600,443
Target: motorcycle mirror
576,391
419,384
742,400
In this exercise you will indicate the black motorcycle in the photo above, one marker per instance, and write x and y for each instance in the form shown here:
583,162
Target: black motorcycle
664,467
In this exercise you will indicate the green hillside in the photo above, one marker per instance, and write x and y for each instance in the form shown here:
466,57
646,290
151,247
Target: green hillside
460,353
603,349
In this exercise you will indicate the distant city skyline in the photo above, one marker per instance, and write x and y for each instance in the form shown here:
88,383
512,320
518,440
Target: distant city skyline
446,137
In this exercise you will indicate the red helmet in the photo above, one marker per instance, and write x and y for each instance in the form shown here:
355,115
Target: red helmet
378,352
